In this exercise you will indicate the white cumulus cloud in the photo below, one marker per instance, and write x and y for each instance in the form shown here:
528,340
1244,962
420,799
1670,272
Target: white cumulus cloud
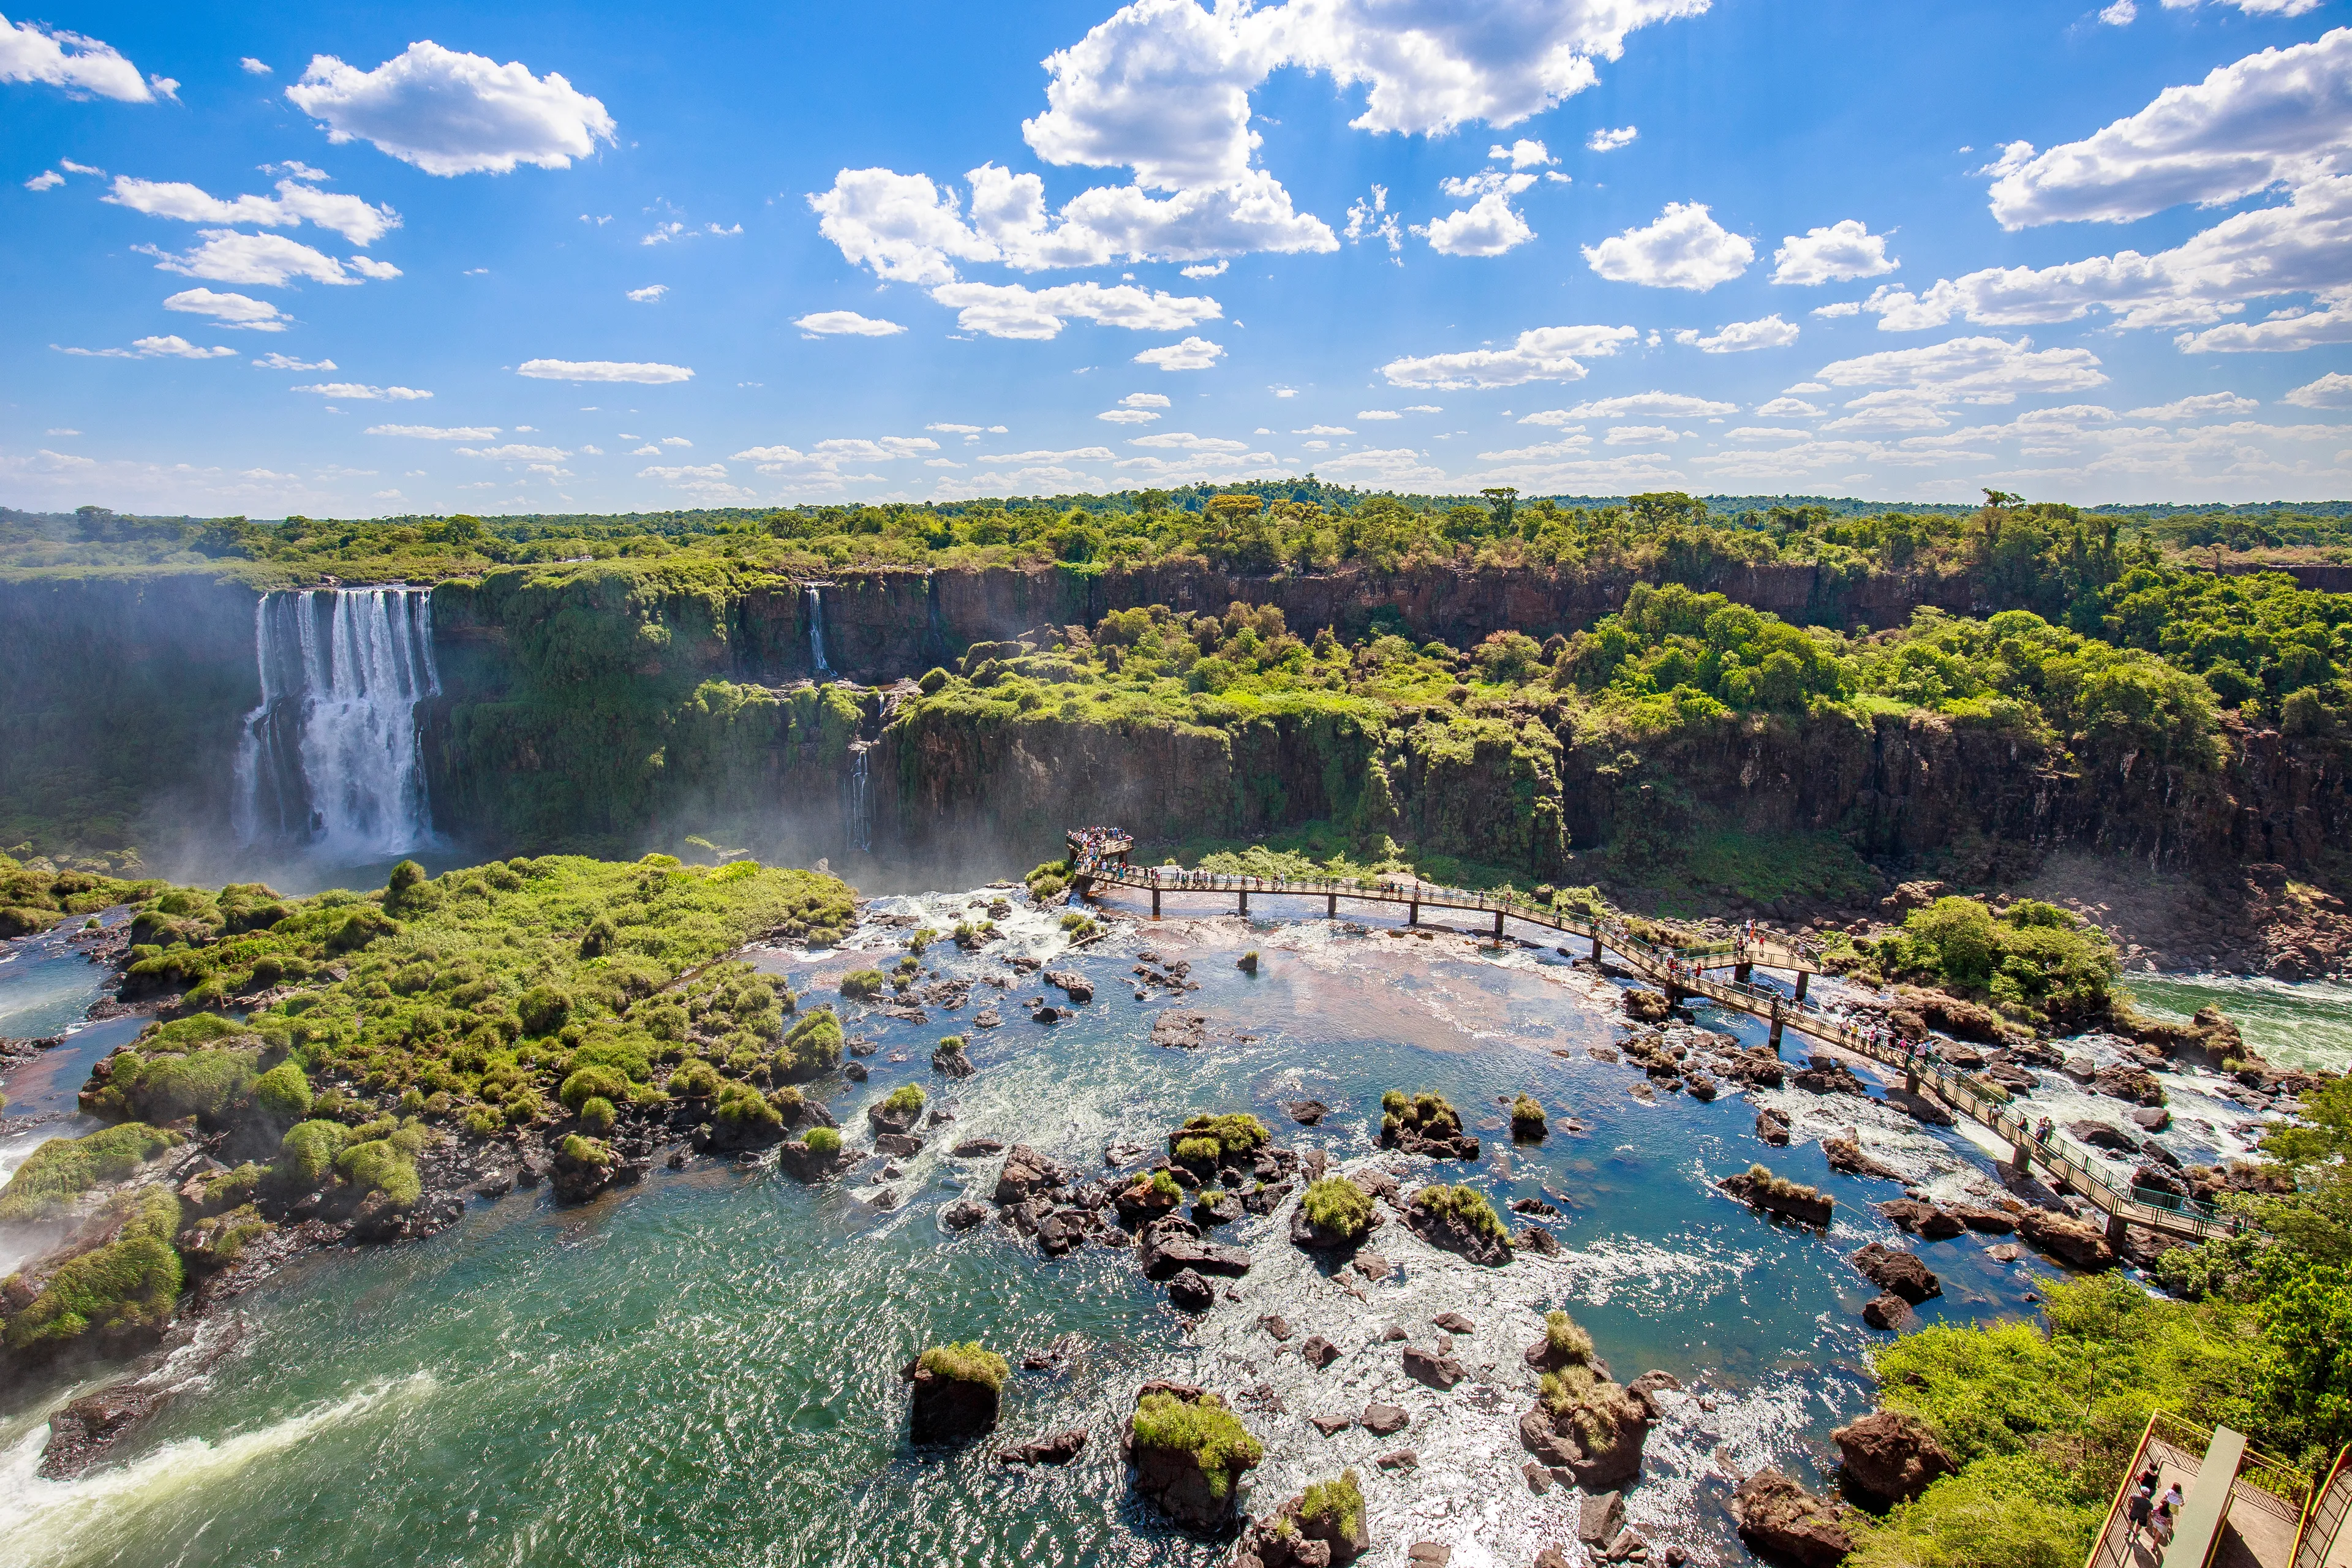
1972,370
2280,117
1684,248
84,68
439,433
649,294
269,260
1127,416
47,179
172,346
229,310
1842,252
2204,406
1610,141
1787,408
1540,353
357,392
2333,390
451,113
1523,153
1486,227
838,324
1011,310
1193,353
288,362
649,374
1737,337
1656,405
297,202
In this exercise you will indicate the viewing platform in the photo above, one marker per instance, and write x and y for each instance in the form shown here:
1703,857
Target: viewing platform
1100,858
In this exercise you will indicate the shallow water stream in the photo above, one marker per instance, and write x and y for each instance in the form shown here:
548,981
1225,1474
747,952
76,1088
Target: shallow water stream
705,1369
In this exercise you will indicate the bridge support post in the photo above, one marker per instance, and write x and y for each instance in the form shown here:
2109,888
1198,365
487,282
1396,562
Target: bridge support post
1244,896
1155,903
1412,912
1741,971
1498,925
1596,947
1911,1080
2115,1230
1776,1025
1802,977
1331,906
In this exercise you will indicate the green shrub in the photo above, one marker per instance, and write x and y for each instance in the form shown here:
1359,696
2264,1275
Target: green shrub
1339,1206
813,1045
597,1115
744,1110
863,984
1218,1443
129,1285
1528,1114
1467,1204
592,1082
63,1168
235,1188
823,1142
1197,1151
1567,1340
306,1153
585,1150
481,1121
905,1098
966,1363
207,1084
543,1010
2010,1511
1164,1188
381,1166
694,1079
1336,1503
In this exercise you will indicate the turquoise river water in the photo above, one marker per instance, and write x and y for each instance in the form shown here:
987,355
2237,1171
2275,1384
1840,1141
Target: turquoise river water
703,1370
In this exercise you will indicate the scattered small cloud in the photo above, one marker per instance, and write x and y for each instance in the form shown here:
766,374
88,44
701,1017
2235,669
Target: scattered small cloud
841,323
649,294
1207,269
253,67
1127,416
1324,430
648,372
46,179
1523,153
1610,141
1193,353
437,432
288,362
357,392
172,346
228,310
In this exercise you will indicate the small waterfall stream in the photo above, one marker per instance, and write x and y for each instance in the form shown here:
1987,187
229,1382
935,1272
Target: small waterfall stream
816,629
858,803
331,758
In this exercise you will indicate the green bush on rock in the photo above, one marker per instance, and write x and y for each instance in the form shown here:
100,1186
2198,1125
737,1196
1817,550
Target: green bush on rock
1220,1445
863,984
63,1168
968,1362
125,1289
1337,1204
811,1046
306,1155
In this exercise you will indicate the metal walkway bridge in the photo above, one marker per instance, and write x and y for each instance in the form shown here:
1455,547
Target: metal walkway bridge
1098,859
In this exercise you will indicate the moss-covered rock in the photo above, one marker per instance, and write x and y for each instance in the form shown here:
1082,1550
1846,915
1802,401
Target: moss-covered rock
116,1296
1188,1450
63,1169
1426,1124
1460,1220
955,1392
1333,1212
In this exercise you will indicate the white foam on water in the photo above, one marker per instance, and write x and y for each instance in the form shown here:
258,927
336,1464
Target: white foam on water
45,1521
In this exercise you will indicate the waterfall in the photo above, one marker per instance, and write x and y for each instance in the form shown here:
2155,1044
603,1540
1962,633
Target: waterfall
816,629
859,804
331,758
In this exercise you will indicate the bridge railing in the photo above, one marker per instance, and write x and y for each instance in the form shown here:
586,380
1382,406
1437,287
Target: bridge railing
1980,1100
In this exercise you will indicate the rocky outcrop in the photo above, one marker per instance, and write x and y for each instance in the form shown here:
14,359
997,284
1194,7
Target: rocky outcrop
1590,1426
1891,1456
1845,1154
1170,1245
1193,1485
1772,1127
949,1402
1437,1369
1897,1272
949,1057
2077,1243
1779,1519
1058,1449
1188,1292
1455,1231
1646,1006
1026,1173
1326,1527
1760,1189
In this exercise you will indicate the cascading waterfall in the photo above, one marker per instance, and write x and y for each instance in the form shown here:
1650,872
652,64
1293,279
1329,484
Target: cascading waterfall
859,804
330,759
816,629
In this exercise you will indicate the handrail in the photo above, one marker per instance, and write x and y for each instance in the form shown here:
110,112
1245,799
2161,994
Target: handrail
1983,1102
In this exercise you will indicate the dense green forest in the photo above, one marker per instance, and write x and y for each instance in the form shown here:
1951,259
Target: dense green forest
1266,526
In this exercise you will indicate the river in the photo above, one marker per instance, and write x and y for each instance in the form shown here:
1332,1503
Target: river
704,1369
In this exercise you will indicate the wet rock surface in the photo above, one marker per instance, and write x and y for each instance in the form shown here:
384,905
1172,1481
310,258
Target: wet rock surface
1891,1455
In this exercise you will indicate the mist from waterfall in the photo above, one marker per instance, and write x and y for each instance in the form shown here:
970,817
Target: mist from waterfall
816,629
331,760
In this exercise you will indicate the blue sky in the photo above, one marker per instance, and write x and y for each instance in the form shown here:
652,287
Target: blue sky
498,258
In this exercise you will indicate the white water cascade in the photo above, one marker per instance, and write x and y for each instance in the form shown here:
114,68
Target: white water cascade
816,629
330,759
859,805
